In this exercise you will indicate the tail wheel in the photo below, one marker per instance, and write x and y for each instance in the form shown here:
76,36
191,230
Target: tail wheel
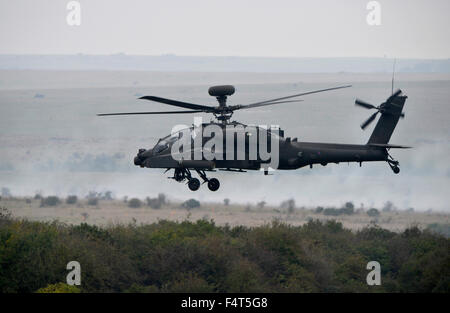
213,184
194,184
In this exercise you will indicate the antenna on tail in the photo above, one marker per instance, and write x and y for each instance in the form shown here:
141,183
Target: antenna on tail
393,73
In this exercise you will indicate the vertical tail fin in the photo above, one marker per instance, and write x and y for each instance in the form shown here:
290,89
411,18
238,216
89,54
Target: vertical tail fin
391,111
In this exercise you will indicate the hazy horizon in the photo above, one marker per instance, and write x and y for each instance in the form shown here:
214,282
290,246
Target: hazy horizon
176,63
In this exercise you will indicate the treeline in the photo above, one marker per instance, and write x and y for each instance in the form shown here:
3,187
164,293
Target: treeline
202,257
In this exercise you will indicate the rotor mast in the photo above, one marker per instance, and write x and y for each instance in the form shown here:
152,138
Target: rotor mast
223,113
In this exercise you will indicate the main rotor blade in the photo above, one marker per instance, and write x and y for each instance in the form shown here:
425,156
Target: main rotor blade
364,104
369,120
139,113
257,104
181,104
238,107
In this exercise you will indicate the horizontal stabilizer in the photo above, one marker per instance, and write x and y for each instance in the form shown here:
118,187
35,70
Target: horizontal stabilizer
388,146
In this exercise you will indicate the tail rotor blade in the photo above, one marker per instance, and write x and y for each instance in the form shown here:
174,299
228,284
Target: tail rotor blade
397,93
369,120
394,95
364,104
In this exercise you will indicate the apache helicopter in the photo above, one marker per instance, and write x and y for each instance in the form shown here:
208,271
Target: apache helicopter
293,154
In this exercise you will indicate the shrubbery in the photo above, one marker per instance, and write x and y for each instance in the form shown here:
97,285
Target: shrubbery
373,212
92,201
190,204
59,288
289,205
50,201
336,212
443,229
134,203
71,199
92,198
158,202
260,205
202,257
347,209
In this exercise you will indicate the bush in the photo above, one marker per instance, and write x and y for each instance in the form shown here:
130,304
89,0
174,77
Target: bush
92,201
50,201
373,212
443,229
336,212
107,195
388,206
190,204
134,203
202,257
71,199
289,205
156,203
93,197
349,205
5,214
59,288
347,210
226,202
318,210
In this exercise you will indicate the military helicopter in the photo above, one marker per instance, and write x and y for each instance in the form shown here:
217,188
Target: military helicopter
292,154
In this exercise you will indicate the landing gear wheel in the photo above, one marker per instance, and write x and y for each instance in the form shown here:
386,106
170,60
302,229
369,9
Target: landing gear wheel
179,175
213,184
194,184
396,169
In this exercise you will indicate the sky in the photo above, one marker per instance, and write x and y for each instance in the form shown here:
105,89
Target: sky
282,28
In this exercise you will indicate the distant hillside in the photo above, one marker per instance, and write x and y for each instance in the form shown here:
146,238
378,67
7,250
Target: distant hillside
218,64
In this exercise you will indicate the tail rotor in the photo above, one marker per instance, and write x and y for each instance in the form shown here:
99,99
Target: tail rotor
382,108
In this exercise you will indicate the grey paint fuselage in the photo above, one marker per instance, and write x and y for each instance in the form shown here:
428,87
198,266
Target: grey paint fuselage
292,155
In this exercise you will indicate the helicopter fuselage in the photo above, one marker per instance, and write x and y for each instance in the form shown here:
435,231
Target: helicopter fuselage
292,154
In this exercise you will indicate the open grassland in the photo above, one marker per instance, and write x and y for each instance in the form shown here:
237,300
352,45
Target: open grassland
106,212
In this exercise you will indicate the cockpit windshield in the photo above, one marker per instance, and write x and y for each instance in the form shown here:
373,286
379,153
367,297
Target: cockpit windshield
163,144
167,141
